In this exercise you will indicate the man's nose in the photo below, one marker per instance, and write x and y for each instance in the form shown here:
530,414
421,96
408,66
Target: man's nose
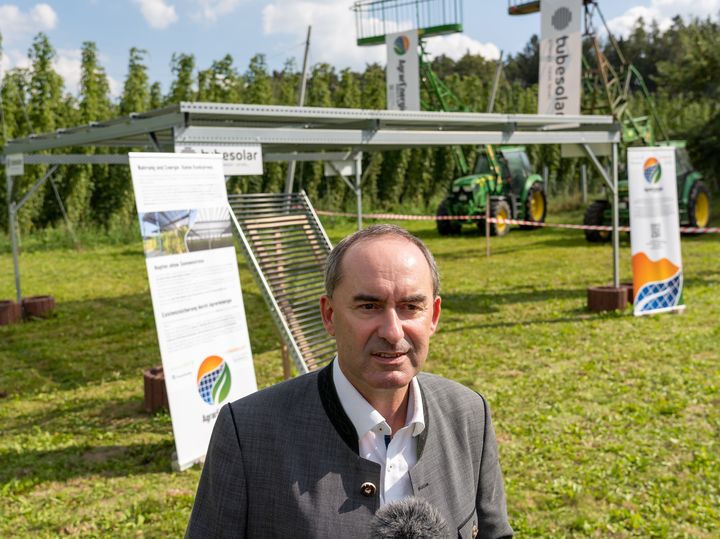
391,327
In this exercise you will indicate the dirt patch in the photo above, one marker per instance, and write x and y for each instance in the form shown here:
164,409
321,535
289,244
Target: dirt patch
103,454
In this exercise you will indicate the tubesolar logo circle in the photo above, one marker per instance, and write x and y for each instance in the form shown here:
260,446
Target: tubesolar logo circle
561,18
652,170
213,380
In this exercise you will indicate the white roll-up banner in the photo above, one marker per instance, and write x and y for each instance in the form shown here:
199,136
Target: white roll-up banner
195,288
402,74
655,230
560,72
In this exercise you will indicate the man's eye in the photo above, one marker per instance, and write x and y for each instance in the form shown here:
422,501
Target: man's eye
367,306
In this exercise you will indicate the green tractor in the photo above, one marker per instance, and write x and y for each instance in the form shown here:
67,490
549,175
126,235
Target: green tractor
693,200
505,179
611,88
502,177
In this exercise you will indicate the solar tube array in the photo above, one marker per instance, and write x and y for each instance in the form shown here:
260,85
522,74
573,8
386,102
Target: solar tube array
286,248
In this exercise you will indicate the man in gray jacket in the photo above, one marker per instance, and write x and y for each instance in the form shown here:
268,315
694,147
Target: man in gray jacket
316,456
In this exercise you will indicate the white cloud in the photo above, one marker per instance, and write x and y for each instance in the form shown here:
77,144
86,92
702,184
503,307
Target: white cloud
455,46
211,10
334,34
333,30
67,63
116,87
16,24
663,12
157,13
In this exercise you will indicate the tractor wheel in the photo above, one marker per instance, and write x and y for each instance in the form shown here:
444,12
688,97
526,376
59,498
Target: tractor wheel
594,217
500,209
699,206
446,227
535,205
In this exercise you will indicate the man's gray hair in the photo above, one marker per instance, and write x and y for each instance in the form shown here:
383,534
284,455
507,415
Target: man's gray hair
333,264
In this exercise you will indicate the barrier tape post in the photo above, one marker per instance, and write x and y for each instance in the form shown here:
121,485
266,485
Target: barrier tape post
487,229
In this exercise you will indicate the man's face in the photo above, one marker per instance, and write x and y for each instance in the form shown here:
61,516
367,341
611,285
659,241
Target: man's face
382,314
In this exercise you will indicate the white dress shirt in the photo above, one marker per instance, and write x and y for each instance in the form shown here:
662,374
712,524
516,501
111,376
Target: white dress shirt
400,455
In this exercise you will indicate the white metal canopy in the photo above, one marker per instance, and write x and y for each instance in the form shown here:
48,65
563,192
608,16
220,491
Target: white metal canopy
310,133
290,129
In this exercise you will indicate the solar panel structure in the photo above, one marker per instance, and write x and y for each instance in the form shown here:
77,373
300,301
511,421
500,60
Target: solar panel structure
286,247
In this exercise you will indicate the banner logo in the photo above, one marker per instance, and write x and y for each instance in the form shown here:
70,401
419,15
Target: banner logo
401,45
652,171
213,380
561,18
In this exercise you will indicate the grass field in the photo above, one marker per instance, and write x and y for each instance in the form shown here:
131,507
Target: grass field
609,425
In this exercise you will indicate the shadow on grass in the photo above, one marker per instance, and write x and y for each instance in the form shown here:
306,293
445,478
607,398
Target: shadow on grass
483,303
96,340
574,315
25,468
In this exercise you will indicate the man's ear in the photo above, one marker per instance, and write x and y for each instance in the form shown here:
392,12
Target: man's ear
326,311
435,314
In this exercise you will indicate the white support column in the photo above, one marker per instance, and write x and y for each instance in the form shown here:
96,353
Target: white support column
12,215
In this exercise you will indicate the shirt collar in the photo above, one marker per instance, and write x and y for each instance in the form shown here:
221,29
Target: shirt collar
361,413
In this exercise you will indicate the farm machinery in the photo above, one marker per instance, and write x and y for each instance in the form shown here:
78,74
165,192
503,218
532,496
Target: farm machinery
612,89
501,184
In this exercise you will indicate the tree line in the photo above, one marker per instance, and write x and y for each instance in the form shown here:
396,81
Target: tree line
681,66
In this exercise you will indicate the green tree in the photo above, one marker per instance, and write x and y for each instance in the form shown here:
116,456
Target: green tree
258,86
77,187
220,83
181,89
45,108
136,89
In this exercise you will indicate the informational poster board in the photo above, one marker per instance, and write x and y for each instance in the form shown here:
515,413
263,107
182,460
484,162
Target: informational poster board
195,288
403,71
560,57
655,231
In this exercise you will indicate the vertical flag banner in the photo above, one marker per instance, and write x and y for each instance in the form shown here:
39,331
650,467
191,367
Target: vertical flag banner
655,230
402,74
560,57
195,289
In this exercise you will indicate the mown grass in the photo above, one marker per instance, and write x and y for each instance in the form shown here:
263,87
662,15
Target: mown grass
609,425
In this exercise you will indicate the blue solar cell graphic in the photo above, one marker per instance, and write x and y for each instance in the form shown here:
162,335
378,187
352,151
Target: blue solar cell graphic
207,382
661,294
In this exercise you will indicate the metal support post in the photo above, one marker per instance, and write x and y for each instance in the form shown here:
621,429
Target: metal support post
290,177
583,177
612,184
358,188
545,177
13,234
616,218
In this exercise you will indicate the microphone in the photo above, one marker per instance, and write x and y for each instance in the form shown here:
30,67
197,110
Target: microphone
409,518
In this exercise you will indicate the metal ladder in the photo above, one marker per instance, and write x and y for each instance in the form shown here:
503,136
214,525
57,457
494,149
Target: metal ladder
286,248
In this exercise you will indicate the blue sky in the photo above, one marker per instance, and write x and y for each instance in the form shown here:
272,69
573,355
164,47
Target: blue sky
209,29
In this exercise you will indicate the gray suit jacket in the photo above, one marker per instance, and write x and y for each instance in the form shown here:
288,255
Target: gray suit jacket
283,462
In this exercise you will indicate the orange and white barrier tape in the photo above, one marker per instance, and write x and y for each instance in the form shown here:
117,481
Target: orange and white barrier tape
400,217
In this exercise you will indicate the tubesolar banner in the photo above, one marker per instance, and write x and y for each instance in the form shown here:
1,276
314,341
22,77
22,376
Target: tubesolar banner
560,57
655,230
195,290
402,74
